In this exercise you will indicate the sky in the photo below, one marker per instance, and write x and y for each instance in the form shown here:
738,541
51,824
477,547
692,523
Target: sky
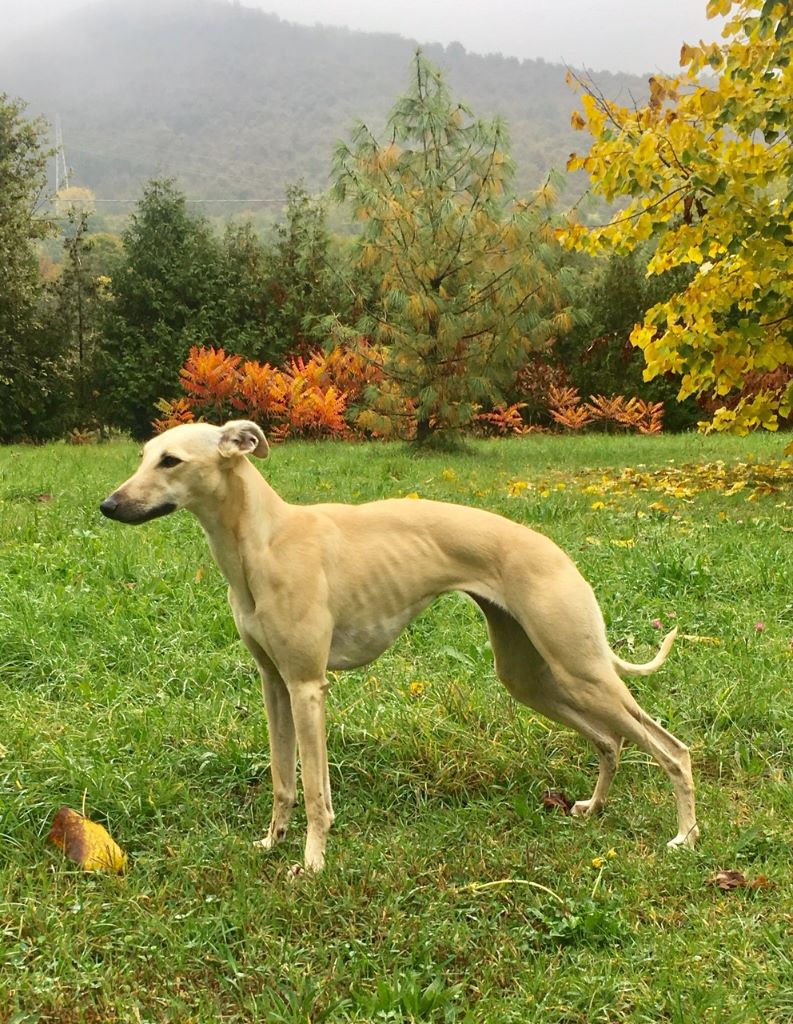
615,35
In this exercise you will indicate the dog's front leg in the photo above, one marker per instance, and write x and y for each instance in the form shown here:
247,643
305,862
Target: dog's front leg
283,767
308,712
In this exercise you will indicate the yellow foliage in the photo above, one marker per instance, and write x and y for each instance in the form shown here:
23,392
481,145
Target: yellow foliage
706,168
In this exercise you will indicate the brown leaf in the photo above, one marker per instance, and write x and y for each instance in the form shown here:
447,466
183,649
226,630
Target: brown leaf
726,880
85,842
554,800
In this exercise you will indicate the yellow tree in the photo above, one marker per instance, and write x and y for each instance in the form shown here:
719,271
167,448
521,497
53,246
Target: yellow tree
707,167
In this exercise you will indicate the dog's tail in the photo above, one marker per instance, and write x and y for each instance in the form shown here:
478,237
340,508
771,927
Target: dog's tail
629,669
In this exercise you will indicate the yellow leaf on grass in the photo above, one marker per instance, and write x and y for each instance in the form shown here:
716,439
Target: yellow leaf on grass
86,843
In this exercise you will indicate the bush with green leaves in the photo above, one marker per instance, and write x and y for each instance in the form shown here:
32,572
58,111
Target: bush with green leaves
30,396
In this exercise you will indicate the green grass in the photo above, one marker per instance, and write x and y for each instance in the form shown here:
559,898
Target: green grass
124,687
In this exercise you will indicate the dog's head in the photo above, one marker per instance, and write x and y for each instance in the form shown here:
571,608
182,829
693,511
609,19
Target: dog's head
182,468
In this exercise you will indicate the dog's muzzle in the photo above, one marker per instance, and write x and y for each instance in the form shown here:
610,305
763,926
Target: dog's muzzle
133,514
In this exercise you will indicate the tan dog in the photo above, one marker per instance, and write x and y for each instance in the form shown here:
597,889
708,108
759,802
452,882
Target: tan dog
332,586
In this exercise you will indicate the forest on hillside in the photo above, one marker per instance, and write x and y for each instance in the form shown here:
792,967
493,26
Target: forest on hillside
238,104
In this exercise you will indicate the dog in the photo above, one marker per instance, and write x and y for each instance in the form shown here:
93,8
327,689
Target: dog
331,586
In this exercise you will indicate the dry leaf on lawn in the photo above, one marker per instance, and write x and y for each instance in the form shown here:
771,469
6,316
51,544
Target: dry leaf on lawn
86,843
554,800
732,879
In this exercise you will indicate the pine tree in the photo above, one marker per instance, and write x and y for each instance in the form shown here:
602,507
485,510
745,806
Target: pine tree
165,299
29,393
466,275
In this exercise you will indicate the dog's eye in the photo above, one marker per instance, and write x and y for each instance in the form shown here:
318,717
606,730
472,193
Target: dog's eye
169,461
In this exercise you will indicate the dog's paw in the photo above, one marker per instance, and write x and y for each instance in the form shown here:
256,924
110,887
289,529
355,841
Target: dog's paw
273,838
582,807
686,839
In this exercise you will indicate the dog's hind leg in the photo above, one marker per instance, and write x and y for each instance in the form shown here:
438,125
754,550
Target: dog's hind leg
604,703
565,624
595,702
673,756
526,675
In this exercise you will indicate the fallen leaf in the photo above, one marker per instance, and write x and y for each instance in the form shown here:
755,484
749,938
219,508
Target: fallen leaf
86,843
554,800
726,880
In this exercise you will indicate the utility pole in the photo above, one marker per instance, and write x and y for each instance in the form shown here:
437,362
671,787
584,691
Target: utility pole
61,171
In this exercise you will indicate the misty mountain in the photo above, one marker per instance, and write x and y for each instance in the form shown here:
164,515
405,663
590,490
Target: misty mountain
236,103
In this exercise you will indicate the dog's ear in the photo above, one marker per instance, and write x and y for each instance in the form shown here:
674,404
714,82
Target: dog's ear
242,437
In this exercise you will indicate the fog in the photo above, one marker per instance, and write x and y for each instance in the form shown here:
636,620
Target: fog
637,36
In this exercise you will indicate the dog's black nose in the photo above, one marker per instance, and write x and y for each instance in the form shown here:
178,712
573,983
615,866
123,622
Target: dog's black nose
109,506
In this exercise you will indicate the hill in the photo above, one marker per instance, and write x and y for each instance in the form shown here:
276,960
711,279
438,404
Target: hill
237,104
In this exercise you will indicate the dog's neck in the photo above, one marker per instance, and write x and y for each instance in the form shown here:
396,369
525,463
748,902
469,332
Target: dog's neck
233,535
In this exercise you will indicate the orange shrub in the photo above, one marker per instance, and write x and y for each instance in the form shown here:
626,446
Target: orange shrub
346,392
503,419
302,398
564,405
174,413
210,378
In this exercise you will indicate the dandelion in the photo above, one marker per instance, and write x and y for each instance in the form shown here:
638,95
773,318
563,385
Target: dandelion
598,862
413,494
611,854
516,487
417,688
449,474
596,505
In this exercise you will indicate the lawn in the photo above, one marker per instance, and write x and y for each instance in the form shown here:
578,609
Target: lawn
450,893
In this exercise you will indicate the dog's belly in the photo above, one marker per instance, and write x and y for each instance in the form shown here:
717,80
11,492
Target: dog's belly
355,645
